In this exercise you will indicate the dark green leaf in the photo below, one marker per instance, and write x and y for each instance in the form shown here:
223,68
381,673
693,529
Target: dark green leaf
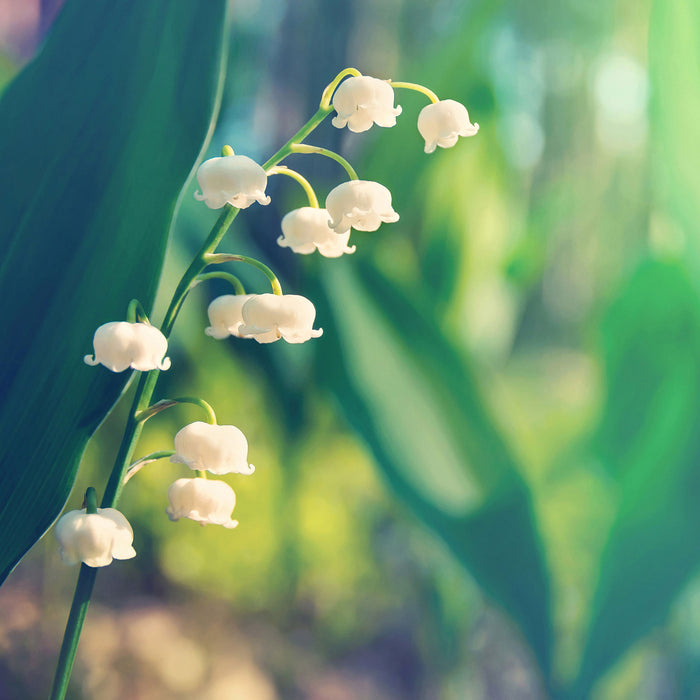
416,403
97,137
652,345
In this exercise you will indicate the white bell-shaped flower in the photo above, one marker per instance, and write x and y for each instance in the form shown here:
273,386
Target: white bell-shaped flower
236,180
219,449
359,204
443,122
225,315
119,345
361,101
205,501
306,230
94,538
269,317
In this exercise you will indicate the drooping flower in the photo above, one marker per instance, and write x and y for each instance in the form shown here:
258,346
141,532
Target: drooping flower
119,345
269,317
225,315
361,101
94,538
205,501
306,230
359,204
443,122
219,449
236,180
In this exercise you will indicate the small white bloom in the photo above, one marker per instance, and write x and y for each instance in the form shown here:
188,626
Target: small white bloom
359,204
219,449
119,345
205,501
269,317
306,230
443,122
361,101
225,315
94,538
236,180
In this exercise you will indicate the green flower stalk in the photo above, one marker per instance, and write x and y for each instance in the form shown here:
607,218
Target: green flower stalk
230,183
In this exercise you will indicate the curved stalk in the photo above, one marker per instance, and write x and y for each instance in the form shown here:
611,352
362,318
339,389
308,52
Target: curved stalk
284,170
136,466
218,258
305,148
135,312
147,383
162,405
417,88
238,287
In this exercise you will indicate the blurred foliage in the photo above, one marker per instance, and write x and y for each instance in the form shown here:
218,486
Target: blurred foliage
523,343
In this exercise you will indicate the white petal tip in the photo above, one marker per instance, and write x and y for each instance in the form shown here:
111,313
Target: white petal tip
90,360
165,364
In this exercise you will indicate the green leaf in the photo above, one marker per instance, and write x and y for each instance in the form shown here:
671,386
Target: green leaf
652,346
98,135
415,402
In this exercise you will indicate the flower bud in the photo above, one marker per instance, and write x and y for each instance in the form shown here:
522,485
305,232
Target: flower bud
225,315
443,122
219,449
269,317
306,230
361,101
236,180
204,501
359,204
119,345
94,538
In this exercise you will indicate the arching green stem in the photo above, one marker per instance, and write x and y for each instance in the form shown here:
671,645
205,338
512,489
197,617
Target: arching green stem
218,258
327,95
147,383
91,501
135,312
136,466
162,405
416,88
306,148
324,109
220,274
284,170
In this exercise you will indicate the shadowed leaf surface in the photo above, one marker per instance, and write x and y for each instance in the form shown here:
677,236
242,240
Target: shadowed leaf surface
98,135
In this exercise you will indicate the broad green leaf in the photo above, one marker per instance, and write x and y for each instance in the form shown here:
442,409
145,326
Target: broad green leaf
652,345
414,400
97,136
645,363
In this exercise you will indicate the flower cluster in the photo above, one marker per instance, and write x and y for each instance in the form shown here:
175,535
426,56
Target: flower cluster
96,536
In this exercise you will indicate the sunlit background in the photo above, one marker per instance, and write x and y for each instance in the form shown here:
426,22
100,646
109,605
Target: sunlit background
538,258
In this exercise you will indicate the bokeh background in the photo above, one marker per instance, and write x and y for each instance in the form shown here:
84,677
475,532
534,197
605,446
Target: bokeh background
481,483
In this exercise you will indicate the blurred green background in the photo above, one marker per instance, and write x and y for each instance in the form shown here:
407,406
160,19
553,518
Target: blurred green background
482,481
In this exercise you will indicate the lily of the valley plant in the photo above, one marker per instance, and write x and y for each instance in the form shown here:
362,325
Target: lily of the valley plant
96,535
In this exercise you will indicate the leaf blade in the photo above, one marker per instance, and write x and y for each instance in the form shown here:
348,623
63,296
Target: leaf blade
111,91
